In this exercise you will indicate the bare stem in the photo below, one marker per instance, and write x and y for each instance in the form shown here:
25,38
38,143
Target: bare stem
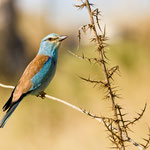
61,101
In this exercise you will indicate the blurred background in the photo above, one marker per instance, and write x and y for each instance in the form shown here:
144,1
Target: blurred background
44,124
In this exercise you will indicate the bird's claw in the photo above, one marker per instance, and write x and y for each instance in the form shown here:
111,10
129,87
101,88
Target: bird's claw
42,94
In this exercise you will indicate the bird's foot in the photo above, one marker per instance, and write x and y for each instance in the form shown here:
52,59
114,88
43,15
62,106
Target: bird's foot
42,94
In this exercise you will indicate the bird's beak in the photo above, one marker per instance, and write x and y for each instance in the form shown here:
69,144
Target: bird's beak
63,37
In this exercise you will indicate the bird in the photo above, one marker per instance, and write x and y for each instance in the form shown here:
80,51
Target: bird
37,74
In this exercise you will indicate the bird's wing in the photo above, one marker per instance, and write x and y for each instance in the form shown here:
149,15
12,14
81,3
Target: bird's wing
25,82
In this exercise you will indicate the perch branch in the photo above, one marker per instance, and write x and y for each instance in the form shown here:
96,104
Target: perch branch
61,101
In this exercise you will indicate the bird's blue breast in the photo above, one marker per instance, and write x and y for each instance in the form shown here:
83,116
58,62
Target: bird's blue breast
41,80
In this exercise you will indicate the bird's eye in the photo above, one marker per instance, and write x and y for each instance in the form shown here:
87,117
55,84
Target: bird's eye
49,39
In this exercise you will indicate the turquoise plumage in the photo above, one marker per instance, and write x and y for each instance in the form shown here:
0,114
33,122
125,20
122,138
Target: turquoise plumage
37,75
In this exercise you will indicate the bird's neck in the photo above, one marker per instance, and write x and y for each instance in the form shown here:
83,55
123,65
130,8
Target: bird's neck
49,50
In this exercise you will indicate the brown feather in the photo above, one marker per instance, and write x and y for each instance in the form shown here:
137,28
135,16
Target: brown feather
25,83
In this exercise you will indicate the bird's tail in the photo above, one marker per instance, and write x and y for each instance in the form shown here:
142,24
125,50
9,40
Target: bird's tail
11,107
8,114
9,102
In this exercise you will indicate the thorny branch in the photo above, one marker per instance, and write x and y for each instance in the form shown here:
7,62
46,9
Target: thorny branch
90,60
140,115
95,82
117,127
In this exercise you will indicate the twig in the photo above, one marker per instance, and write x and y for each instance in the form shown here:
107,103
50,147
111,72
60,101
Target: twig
73,106
59,100
6,86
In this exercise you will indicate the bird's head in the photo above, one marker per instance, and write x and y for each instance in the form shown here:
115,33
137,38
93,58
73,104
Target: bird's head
50,44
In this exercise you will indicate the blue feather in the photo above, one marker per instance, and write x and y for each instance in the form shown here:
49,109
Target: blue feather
41,80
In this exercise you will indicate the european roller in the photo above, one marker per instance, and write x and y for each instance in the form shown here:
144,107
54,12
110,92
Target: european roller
37,75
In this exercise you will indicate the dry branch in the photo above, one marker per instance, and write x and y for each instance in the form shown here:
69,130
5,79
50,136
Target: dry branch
117,127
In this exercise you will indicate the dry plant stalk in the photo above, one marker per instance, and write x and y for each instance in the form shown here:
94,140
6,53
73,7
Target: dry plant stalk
117,126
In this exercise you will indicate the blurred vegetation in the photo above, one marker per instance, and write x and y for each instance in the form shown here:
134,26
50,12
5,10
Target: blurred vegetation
11,44
44,124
